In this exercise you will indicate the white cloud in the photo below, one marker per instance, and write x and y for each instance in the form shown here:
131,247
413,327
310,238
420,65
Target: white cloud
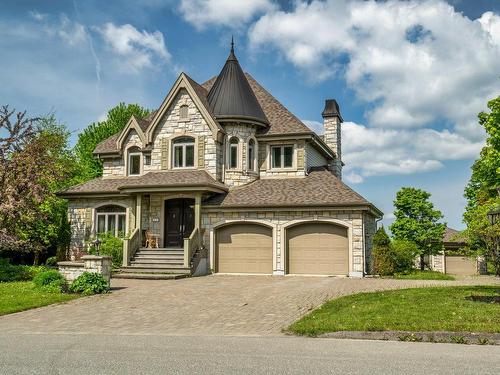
137,49
201,13
315,126
354,178
415,62
375,151
72,33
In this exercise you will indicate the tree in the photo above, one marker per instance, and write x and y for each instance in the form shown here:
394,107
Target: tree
417,221
485,176
482,196
95,133
34,163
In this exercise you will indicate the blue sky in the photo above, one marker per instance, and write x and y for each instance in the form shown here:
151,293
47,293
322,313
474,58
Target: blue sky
410,76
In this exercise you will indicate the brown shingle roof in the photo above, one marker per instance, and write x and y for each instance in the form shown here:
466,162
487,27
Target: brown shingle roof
281,120
107,185
453,235
319,188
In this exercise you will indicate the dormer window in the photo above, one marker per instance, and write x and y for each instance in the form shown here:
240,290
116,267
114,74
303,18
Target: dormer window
183,152
134,161
282,157
184,113
233,153
251,155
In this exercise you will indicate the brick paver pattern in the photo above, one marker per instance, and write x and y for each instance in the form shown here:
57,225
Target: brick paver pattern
210,305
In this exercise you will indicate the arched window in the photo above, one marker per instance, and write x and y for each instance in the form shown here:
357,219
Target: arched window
184,112
111,219
134,161
183,152
251,155
233,153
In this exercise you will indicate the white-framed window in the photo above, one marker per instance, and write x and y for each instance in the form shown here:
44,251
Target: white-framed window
233,153
134,161
282,156
111,219
183,152
184,112
251,155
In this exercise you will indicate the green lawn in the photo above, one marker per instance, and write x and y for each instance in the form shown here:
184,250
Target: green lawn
22,295
419,309
423,275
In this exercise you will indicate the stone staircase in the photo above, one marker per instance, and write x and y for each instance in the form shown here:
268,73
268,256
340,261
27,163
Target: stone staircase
156,264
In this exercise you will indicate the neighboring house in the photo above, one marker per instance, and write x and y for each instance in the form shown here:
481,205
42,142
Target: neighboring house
225,179
454,259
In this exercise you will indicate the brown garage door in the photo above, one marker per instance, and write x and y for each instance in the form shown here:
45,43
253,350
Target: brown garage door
460,265
318,249
244,248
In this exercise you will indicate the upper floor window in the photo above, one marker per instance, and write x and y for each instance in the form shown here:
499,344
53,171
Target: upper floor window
111,219
183,152
233,153
134,161
282,156
184,112
251,155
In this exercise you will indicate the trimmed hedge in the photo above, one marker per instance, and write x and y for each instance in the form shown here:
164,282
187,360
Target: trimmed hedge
51,280
13,272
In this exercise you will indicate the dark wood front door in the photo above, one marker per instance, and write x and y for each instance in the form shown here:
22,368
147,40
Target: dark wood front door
179,221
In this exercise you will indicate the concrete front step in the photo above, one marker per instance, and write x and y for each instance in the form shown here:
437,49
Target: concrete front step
158,256
150,276
156,269
162,249
140,261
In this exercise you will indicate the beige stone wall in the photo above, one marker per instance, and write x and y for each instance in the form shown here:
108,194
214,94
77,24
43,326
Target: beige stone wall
206,148
332,138
117,166
81,215
240,175
279,219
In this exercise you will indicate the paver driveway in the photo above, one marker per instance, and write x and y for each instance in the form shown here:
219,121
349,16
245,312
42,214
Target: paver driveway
211,305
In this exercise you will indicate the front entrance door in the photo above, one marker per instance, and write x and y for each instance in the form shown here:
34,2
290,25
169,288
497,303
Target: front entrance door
179,221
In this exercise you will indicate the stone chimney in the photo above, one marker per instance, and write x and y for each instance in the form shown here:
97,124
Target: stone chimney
332,121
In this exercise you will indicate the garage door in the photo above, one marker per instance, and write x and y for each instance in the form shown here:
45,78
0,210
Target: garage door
318,249
244,248
460,265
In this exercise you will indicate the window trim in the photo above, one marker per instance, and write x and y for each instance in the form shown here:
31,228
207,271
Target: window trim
282,164
230,146
129,164
183,146
107,215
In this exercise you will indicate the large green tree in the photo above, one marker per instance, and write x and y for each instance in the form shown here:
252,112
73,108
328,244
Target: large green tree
481,191
35,162
485,178
417,221
88,139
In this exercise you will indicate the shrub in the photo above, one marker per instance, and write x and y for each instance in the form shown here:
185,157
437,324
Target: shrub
89,283
13,272
382,263
392,257
403,253
51,280
51,262
112,246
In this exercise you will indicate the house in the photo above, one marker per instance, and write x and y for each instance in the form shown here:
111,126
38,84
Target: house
223,178
454,259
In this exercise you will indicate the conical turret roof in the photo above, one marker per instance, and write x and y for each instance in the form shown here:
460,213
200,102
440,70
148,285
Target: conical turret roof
231,97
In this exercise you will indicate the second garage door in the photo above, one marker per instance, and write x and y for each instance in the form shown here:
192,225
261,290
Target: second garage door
244,248
460,265
318,249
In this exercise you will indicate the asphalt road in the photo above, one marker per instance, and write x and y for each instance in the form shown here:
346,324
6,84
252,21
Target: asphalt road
141,354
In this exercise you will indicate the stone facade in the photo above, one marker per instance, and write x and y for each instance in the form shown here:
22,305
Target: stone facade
360,227
298,168
332,138
82,218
